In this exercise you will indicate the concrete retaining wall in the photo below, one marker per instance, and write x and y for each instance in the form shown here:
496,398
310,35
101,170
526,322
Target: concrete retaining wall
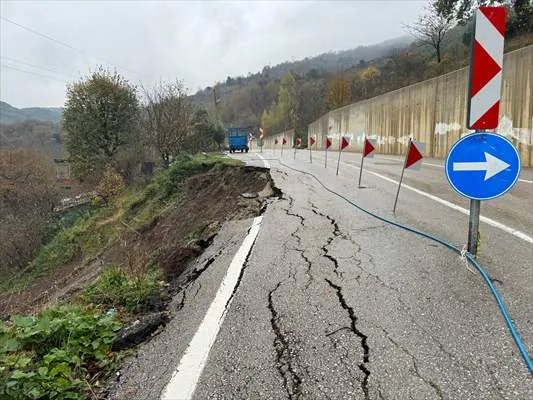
434,112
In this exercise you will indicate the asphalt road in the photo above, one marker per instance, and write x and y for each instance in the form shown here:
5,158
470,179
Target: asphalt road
332,303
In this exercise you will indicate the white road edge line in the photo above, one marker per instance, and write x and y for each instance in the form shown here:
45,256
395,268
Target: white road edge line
265,162
488,221
439,166
183,383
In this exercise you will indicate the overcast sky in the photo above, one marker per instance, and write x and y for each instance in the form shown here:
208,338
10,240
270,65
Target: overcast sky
199,42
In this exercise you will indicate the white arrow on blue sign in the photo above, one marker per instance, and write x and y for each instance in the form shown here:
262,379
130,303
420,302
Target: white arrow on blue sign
482,166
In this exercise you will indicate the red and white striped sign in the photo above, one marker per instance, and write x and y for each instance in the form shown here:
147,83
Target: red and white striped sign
486,68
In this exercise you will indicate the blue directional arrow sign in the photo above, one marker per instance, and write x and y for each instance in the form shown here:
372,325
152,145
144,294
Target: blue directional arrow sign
482,166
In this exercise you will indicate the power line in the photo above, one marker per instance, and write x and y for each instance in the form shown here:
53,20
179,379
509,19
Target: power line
36,66
63,44
32,73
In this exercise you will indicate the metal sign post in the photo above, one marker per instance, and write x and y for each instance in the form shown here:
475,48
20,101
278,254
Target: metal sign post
473,226
484,90
369,146
413,159
361,170
339,161
401,176
326,160
311,141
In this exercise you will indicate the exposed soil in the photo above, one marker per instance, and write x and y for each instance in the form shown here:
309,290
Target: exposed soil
178,236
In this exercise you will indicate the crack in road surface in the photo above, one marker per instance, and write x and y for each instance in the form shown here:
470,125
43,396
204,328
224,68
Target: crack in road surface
284,362
353,325
336,233
192,277
427,381
292,214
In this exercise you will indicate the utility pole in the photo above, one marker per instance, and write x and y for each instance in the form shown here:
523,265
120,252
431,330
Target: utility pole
216,101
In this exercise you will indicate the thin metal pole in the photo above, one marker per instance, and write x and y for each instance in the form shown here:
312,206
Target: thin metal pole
401,177
339,160
282,147
326,162
361,169
310,154
473,226
295,151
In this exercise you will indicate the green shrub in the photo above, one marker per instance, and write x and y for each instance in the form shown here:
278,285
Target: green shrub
183,167
117,288
49,356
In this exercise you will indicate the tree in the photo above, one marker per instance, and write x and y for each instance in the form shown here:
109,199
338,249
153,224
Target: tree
460,11
339,93
205,135
520,18
288,100
431,28
167,118
100,117
283,114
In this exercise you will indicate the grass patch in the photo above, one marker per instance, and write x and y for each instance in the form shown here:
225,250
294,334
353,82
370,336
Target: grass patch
144,209
123,290
50,356
81,240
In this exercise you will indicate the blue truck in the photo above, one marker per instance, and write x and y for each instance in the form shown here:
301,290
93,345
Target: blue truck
238,139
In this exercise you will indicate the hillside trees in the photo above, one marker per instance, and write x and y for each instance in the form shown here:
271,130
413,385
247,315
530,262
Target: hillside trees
339,93
462,10
100,118
284,114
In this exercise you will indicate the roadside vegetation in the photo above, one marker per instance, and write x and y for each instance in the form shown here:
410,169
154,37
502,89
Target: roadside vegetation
72,280
64,349
58,354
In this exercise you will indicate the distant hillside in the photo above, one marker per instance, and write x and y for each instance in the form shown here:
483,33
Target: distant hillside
12,115
313,67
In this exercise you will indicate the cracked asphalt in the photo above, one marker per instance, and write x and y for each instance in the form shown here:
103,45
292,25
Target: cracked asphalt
334,304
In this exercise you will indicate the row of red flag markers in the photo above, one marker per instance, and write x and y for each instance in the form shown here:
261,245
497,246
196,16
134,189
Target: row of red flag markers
413,157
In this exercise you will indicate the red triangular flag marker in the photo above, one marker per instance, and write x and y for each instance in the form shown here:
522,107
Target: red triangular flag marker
275,141
369,148
312,141
298,141
328,143
284,141
413,156
344,143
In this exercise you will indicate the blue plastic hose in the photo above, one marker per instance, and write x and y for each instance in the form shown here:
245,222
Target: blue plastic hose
469,257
